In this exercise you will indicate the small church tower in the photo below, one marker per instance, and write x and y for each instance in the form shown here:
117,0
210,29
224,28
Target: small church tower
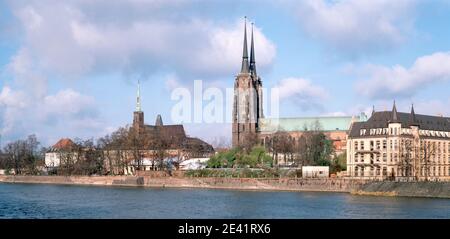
247,105
138,114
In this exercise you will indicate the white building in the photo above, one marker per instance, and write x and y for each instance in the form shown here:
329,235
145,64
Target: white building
61,151
194,163
395,145
315,171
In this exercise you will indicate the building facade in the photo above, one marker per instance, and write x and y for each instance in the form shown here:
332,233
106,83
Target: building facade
396,145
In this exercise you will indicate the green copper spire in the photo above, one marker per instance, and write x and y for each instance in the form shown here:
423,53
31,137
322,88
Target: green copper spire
138,98
245,67
252,56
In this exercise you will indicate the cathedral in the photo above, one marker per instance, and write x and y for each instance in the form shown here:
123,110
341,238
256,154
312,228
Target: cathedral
247,104
248,117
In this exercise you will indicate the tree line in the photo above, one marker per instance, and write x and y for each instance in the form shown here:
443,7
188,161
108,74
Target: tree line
107,155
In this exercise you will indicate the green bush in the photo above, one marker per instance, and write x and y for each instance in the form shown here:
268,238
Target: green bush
236,158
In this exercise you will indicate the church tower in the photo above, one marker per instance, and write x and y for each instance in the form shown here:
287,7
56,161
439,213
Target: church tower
138,115
247,105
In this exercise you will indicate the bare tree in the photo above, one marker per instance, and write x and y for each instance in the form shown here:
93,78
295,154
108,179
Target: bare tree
23,155
427,151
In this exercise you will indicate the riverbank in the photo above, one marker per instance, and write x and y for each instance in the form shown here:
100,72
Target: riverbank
354,186
269,184
406,189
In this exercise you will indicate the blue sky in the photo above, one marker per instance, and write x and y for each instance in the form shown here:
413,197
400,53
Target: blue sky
69,68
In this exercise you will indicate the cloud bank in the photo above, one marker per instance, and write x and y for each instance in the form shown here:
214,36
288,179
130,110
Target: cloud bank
357,27
398,81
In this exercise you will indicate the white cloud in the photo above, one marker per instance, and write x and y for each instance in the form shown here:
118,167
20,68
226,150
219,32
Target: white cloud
302,92
398,81
77,39
66,113
73,38
356,26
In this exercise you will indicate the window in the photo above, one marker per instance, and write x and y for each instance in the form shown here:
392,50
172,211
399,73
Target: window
362,145
356,145
384,157
371,145
384,171
378,144
356,157
378,171
378,158
384,144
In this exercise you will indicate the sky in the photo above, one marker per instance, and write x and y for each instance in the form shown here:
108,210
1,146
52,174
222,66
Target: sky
70,68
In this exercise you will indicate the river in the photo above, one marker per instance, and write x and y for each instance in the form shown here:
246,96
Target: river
64,201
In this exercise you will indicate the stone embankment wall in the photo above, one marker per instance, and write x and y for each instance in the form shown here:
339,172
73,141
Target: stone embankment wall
406,189
81,180
355,186
281,184
278,184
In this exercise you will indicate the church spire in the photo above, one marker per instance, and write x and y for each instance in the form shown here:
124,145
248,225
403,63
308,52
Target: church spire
394,113
138,98
245,67
412,116
373,110
252,56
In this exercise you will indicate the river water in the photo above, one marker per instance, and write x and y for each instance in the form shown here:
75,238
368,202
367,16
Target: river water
63,201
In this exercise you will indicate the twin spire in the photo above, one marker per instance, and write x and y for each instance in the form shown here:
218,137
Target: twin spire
246,66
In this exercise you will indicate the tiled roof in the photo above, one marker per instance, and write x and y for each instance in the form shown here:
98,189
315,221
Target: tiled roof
63,144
